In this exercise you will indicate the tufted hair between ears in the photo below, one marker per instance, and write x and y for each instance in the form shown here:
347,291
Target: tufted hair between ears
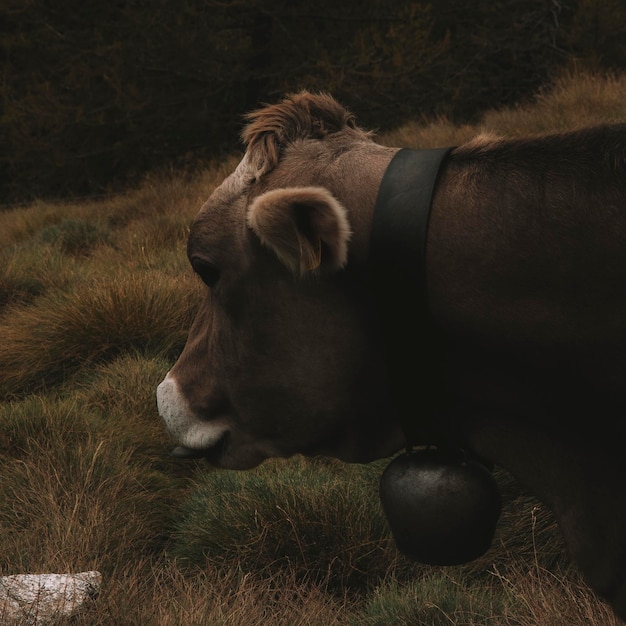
302,115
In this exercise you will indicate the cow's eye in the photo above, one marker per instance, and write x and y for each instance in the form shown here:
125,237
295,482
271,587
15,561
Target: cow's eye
208,272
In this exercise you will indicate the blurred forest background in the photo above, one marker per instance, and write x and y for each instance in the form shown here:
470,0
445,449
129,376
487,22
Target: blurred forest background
95,94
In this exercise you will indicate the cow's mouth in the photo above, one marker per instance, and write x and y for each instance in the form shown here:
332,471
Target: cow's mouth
181,452
212,454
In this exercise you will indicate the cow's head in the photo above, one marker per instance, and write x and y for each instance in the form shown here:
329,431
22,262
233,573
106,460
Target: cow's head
283,356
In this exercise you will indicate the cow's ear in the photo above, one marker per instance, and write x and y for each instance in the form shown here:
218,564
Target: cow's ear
306,227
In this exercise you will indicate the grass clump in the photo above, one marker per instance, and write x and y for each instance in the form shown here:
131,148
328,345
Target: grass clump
320,518
63,331
18,285
157,592
75,237
533,595
438,599
73,497
27,272
122,387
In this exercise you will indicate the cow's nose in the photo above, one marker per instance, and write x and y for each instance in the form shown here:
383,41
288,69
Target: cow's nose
191,432
172,406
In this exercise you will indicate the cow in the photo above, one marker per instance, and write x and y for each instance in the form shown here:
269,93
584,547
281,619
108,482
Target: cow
507,336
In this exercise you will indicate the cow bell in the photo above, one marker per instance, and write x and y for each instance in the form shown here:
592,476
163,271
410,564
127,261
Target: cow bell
442,507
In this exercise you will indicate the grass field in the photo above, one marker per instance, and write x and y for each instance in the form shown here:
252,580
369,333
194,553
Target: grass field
95,301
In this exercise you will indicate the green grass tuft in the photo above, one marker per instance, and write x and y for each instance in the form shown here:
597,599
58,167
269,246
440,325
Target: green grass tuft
75,237
438,599
322,519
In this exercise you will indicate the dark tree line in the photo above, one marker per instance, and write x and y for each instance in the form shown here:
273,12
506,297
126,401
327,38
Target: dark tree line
96,93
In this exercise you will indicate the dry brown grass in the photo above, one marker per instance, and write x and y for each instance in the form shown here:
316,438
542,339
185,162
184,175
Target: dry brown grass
571,101
152,593
63,331
74,497
539,597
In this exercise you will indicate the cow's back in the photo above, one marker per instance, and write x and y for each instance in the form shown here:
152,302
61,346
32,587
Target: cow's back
528,244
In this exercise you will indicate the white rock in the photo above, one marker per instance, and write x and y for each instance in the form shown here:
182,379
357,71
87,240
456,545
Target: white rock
36,599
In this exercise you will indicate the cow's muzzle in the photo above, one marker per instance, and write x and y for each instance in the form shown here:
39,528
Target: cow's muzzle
196,437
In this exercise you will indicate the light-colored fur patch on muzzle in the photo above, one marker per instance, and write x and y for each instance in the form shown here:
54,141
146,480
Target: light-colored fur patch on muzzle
187,429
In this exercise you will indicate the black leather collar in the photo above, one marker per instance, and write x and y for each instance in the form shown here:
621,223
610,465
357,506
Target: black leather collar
397,263
400,225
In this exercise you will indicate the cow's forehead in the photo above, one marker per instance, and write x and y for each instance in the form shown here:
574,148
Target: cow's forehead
232,188
228,202
239,181
222,215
